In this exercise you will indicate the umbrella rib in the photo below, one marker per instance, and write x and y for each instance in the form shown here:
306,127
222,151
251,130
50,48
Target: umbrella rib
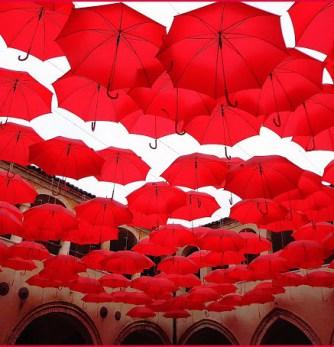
205,23
21,30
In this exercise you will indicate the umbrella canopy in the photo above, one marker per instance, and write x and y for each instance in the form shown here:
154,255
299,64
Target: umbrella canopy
10,223
196,170
311,21
16,190
175,314
37,24
47,222
268,265
103,212
183,280
86,285
177,265
66,157
314,231
263,177
173,235
89,100
94,258
289,279
156,198
153,285
328,174
114,281
127,262
15,140
117,46
147,247
254,243
203,50
198,205
122,166
21,96
141,312
29,251
19,264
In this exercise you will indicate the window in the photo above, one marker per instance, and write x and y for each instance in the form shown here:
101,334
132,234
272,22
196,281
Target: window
81,250
126,240
280,240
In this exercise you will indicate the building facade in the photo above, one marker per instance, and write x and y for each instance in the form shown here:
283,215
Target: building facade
33,315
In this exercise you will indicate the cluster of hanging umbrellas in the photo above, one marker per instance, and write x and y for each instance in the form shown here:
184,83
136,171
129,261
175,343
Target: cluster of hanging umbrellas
219,74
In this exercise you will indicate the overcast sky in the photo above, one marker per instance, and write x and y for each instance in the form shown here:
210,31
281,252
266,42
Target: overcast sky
64,123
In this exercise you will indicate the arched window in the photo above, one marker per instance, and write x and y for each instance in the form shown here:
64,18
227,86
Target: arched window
55,328
142,337
282,332
207,336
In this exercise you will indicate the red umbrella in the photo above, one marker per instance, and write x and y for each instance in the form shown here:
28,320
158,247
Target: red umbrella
29,251
37,24
216,306
122,166
221,240
269,287
3,251
98,298
198,205
183,280
103,212
202,294
13,210
134,298
221,288
290,83
47,222
156,197
148,247
86,234
15,140
21,96
114,281
256,297
304,253
267,266
254,244
172,235
209,258
153,285
311,21
86,285
140,312
196,170
66,157
263,177
320,278
89,100
203,50
314,231
148,221
177,265
127,262
328,174
175,314
94,258
225,126
231,300
118,46
321,141
16,190
10,223
289,279
43,280
17,263
178,104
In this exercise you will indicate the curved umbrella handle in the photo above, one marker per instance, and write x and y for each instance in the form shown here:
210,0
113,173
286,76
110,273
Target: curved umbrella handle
230,199
155,145
112,97
3,123
227,156
177,131
228,100
277,120
20,58
93,126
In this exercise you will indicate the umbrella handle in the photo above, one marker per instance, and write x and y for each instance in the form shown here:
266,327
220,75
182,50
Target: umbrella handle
228,100
155,146
3,123
93,126
20,58
277,120
177,131
230,199
112,97
227,156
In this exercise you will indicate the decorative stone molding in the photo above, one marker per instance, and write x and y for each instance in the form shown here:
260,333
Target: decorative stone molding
143,326
211,324
59,307
290,317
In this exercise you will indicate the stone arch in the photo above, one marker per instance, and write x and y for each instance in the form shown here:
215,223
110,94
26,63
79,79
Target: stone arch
279,314
126,240
61,310
208,325
140,326
43,198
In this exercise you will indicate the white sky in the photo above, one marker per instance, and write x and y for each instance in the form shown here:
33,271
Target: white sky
64,123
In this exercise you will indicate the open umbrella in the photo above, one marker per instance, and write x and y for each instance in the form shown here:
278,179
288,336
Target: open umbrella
117,46
29,251
328,174
86,285
16,190
268,266
94,258
122,166
204,50
114,281
21,96
147,247
15,140
177,265
173,235
37,24
66,157
10,223
141,312
196,170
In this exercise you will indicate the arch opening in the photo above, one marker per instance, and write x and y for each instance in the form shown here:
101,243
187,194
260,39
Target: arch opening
282,332
55,328
207,336
142,337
